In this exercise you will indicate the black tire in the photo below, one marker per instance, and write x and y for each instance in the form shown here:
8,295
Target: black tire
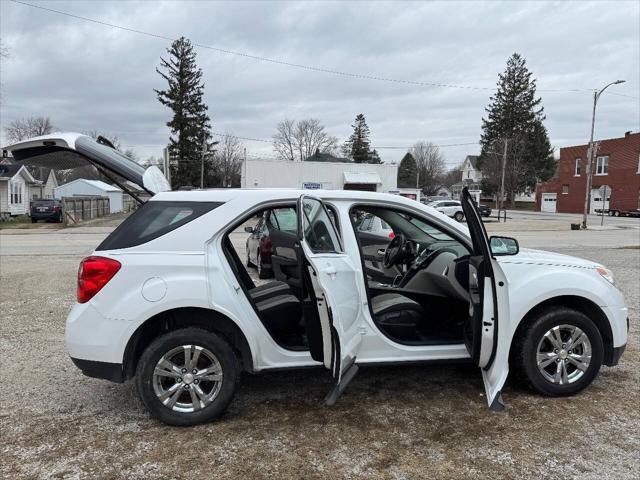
34,220
458,216
526,349
262,272
163,344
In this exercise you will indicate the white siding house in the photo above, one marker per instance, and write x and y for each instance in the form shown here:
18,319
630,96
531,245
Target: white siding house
83,187
16,184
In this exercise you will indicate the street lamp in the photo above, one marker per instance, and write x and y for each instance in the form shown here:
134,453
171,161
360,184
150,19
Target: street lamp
591,151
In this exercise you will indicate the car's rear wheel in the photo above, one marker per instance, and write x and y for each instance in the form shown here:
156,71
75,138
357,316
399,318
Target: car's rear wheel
262,272
459,216
560,352
187,377
34,220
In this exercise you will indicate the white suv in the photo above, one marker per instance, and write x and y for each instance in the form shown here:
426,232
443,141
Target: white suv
451,208
166,299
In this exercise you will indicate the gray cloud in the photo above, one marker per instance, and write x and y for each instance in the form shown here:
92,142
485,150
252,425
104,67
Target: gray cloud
86,76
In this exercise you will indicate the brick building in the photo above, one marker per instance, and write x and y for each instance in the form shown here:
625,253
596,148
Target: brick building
617,165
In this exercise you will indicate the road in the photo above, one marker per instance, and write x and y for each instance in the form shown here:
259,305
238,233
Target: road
392,422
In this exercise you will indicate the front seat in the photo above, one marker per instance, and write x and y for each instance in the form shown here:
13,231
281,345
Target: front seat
397,316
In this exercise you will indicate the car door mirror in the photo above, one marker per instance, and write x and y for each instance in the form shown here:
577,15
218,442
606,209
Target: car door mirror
249,229
504,246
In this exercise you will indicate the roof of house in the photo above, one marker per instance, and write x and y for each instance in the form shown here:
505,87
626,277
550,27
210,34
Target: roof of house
95,183
326,157
473,160
9,170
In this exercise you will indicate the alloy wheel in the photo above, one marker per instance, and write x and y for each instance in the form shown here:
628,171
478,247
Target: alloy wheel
187,378
563,354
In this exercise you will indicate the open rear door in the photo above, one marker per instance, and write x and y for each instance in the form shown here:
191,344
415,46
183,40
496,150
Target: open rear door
489,305
62,151
335,289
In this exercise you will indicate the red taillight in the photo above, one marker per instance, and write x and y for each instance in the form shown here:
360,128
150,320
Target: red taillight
392,235
93,274
56,208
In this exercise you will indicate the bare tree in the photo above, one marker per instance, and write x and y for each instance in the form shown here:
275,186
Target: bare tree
431,166
24,128
300,140
4,54
228,160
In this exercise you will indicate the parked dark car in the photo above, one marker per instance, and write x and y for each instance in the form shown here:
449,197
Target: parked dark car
47,209
485,210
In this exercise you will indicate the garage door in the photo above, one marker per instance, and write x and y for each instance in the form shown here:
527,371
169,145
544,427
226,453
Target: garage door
549,201
598,203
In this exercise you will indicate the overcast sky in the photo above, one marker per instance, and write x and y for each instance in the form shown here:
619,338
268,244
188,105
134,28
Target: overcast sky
87,76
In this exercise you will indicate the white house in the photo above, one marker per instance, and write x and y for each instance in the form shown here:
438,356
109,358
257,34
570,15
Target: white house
83,187
319,175
16,186
46,187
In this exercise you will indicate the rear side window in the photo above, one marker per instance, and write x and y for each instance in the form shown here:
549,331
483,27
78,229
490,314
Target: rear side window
153,220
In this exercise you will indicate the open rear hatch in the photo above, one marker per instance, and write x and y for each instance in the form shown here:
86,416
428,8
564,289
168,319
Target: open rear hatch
64,151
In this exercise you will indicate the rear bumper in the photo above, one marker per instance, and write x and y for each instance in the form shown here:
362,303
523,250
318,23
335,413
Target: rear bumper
46,216
104,370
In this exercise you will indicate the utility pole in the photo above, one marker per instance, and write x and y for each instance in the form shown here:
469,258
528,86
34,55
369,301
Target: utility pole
504,166
204,152
591,152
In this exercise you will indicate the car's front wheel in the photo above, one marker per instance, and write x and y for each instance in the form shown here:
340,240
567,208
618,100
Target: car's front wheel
560,352
187,377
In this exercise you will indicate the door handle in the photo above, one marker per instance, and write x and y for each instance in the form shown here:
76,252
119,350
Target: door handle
381,251
330,270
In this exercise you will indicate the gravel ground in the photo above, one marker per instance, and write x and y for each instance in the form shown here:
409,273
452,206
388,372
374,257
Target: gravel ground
392,422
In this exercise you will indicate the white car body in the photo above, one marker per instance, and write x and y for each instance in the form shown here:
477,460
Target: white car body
448,207
187,268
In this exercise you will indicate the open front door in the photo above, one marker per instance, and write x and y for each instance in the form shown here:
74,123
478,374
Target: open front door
63,151
336,292
489,305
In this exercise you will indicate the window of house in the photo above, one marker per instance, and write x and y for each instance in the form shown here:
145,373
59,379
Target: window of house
565,189
602,165
16,193
577,170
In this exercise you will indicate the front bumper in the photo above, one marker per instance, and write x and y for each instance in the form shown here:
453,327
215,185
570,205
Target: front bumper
107,371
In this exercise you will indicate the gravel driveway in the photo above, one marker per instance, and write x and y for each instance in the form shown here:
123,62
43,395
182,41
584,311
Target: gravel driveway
392,422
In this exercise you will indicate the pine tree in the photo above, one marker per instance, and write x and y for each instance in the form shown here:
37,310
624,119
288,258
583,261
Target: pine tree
190,125
357,147
517,115
407,172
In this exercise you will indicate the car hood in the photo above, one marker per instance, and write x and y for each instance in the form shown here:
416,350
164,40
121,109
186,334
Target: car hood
541,257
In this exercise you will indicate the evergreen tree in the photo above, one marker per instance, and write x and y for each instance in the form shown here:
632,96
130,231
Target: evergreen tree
517,115
357,147
374,157
407,172
190,125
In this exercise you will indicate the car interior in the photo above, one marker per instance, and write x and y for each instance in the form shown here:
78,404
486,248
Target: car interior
417,276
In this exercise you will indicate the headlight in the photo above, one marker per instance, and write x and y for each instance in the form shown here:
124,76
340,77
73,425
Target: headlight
606,274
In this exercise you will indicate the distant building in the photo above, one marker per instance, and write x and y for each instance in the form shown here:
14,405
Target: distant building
471,176
322,174
617,165
17,187
92,188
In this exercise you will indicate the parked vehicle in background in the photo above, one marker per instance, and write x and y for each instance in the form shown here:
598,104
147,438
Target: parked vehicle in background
451,208
259,246
375,226
47,209
485,210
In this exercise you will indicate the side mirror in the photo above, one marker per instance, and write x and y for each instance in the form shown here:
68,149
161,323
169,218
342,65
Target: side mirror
504,246
249,229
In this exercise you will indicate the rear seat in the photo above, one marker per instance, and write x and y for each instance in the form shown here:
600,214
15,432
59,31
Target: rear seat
269,290
281,313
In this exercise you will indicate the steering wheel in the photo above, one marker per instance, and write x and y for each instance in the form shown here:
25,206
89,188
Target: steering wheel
395,251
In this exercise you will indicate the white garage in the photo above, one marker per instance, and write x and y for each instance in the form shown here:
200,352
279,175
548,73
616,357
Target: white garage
94,188
549,202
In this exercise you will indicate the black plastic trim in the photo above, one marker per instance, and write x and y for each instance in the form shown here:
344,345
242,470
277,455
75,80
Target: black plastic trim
107,371
616,353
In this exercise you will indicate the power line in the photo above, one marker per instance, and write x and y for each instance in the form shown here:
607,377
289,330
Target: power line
282,62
